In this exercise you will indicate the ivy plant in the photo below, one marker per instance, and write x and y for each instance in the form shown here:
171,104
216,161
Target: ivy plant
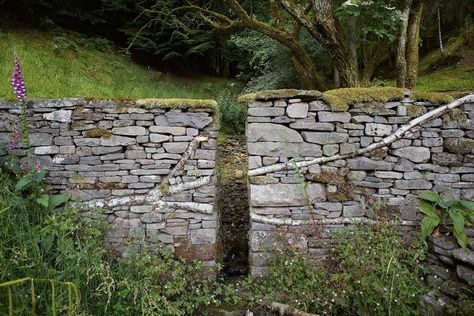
437,211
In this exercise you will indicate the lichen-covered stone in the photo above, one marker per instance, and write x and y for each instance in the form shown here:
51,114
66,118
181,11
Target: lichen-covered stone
269,132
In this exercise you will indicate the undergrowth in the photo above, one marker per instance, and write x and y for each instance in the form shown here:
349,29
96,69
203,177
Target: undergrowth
369,272
67,247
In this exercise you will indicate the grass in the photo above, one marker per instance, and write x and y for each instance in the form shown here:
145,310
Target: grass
60,65
455,78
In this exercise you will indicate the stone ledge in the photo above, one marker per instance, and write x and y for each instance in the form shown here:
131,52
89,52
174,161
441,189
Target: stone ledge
280,94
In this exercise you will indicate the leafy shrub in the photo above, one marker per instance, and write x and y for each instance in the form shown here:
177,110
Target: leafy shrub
436,211
232,114
369,273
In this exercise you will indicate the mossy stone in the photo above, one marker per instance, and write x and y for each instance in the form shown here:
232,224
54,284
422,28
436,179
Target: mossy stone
415,110
265,95
341,99
98,133
432,97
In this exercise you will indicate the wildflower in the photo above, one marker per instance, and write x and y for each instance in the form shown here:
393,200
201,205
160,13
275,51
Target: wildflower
37,166
18,82
15,137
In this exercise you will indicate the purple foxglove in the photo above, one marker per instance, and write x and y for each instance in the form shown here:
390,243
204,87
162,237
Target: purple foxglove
15,137
37,166
18,82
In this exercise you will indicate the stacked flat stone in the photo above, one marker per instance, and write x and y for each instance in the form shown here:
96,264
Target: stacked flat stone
438,157
450,269
101,149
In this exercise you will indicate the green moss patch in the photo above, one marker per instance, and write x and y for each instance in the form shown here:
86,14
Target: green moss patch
432,97
209,105
341,99
415,110
97,133
280,94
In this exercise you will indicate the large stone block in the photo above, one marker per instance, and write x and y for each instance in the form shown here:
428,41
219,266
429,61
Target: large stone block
374,129
297,110
196,120
286,194
415,154
364,163
129,130
324,138
342,117
115,140
203,236
280,149
173,130
269,132
418,184
266,111
63,116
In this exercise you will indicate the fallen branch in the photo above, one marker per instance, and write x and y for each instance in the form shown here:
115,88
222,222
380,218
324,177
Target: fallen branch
326,221
383,143
284,309
193,145
153,196
188,206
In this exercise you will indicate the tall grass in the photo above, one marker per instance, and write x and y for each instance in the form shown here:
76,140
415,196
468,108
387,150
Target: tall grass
65,66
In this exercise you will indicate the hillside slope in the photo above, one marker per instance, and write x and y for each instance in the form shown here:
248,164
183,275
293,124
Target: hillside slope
66,65
454,71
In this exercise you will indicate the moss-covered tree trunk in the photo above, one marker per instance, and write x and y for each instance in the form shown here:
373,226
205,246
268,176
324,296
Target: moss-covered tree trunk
413,43
401,64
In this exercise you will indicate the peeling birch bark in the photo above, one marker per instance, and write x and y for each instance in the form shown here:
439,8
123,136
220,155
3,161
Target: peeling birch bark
193,145
383,143
327,221
284,309
152,197
188,206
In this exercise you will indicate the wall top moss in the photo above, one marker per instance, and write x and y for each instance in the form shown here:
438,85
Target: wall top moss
342,99
203,105
265,95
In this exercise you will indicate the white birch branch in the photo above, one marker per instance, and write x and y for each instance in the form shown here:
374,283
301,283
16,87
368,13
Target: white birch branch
193,145
188,206
152,197
326,221
383,143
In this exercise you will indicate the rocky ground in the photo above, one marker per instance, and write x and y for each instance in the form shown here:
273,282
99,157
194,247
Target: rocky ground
233,204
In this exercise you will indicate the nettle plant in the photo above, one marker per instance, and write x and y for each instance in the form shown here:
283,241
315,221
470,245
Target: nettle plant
453,214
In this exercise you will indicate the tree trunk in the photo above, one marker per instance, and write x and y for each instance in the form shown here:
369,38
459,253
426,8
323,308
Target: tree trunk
306,68
337,78
307,74
352,42
440,37
413,43
401,64
332,37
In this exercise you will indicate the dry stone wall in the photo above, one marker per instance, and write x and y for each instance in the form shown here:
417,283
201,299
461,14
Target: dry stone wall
304,207
102,150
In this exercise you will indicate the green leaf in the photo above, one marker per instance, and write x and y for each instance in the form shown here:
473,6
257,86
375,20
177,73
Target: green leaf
428,224
22,183
458,227
57,200
428,209
429,196
47,242
469,205
43,200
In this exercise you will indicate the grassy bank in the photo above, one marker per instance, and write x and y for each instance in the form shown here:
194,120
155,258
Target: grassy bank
66,65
